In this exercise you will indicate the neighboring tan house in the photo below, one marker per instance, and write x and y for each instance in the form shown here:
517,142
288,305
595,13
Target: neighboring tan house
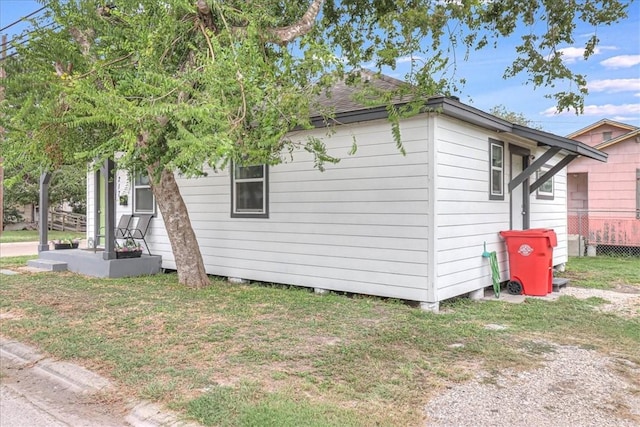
604,198
378,222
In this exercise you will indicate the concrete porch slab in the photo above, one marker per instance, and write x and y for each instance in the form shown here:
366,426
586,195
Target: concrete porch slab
91,263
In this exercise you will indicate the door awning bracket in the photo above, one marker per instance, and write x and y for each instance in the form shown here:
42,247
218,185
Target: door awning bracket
551,172
537,164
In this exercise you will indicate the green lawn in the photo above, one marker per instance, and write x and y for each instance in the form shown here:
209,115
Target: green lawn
254,355
604,272
32,236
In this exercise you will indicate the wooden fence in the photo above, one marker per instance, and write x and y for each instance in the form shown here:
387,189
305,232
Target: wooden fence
63,221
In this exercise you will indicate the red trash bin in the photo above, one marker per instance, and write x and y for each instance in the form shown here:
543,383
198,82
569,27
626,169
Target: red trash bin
530,260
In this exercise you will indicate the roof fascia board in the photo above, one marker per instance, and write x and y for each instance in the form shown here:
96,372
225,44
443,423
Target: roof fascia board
468,114
364,115
549,139
474,116
440,104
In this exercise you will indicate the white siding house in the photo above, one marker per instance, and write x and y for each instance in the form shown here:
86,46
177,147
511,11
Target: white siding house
378,222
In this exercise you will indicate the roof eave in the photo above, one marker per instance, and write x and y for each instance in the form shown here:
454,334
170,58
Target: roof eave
549,139
466,113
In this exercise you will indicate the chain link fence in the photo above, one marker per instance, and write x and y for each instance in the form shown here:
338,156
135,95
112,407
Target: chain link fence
604,232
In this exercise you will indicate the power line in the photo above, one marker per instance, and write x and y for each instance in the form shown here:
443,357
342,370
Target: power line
23,35
24,17
15,40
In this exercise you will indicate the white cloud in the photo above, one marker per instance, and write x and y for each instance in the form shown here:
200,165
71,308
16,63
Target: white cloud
614,85
607,110
408,59
572,54
621,61
624,119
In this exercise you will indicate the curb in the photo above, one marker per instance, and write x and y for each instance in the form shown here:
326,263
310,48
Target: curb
77,378
82,381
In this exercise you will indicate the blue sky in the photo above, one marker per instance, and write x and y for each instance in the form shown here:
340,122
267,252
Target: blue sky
613,74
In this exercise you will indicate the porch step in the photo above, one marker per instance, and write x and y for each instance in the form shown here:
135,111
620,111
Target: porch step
559,282
47,264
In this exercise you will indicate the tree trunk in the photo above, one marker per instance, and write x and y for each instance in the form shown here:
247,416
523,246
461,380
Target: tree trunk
178,225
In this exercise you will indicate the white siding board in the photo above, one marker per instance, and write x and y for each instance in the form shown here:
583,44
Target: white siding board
453,171
415,244
327,270
460,218
330,259
337,185
476,210
463,161
476,241
376,254
458,184
354,286
364,218
311,229
349,196
407,207
409,169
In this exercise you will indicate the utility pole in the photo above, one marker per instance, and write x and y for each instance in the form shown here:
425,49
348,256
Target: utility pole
2,76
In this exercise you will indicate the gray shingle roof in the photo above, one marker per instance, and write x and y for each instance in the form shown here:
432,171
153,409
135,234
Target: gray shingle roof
344,97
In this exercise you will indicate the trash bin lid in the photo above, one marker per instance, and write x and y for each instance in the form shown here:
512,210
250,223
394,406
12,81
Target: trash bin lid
533,232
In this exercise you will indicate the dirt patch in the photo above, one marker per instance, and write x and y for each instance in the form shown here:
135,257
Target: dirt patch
623,302
572,387
626,288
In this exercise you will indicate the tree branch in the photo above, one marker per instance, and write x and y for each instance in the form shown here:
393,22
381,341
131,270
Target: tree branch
206,15
300,28
83,39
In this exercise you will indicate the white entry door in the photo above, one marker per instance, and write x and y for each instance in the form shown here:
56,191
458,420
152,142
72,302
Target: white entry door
518,208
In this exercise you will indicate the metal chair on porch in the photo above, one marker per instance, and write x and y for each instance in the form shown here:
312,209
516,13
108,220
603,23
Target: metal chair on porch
134,228
137,230
122,230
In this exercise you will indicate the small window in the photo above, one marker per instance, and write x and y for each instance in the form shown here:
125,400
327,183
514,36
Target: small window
249,191
496,170
606,136
144,201
545,191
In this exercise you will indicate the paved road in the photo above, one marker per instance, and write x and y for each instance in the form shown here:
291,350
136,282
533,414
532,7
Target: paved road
18,249
18,411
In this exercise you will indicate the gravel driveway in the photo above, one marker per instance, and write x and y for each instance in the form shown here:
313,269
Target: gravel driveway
574,387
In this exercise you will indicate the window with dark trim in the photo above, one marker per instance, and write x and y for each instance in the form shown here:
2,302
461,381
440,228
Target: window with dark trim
545,191
144,202
250,191
496,170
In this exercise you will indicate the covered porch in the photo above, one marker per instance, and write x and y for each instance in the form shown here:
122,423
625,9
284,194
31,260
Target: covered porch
95,262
